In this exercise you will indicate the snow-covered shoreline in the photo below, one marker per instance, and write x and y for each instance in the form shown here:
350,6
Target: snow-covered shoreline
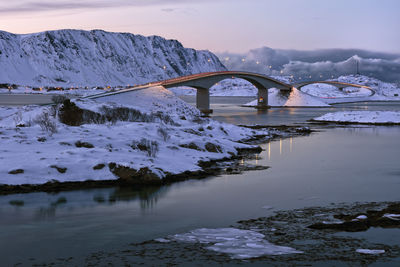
361,117
149,133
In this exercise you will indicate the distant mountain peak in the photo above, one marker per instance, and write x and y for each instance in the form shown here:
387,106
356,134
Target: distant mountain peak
96,58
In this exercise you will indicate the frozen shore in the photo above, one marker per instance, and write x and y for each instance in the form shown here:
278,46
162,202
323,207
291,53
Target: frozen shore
361,117
141,137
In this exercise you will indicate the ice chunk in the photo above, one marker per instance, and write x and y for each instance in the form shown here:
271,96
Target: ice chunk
392,216
239,244
370,251
362,217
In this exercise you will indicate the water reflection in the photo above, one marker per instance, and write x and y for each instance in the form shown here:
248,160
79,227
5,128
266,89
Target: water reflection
45,206
148,196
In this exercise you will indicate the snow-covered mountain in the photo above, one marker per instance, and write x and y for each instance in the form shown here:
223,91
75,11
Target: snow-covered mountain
96,58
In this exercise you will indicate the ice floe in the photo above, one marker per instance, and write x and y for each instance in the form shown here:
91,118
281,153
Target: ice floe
370,251
239,244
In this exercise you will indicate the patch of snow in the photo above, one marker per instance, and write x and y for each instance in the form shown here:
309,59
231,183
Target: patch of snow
392,216
333,222
362,116
329,91
362,217
298,98
384,89
370,251
239,244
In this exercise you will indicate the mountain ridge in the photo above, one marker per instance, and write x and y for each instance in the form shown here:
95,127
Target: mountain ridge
72,57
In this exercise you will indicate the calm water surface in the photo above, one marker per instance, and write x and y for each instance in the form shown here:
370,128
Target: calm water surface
332,165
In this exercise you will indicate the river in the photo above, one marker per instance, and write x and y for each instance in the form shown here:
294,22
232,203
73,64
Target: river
332,165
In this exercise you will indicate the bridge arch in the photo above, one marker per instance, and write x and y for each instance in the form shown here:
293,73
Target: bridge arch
339,85
202,82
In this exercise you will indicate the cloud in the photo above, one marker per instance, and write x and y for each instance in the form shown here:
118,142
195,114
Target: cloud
24,6
317,64
168,9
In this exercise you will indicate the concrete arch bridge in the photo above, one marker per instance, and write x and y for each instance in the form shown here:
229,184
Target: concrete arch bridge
202,82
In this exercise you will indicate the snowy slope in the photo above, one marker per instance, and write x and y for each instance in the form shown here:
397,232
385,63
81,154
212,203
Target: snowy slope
384,89
96,58
174,136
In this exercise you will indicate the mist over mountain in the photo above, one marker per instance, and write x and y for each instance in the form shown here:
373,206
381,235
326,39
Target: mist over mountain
96,58
316,64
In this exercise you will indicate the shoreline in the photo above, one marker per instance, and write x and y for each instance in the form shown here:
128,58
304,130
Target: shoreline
127,178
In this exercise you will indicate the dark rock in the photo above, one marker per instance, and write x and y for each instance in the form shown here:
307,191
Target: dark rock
133,176
191,146
70,114
210,147
99,166
249,150
352,226
17,171
83,144
375,218
59,169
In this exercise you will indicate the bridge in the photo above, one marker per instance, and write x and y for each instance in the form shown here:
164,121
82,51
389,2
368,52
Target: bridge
339,85
202,82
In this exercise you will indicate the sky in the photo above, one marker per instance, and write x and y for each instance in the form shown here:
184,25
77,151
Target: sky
221,25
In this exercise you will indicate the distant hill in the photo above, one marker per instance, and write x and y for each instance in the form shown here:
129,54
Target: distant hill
96,58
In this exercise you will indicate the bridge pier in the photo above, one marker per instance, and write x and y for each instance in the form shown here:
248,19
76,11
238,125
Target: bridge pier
203,100
262,98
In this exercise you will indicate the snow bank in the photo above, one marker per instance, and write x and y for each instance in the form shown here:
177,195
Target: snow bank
298,98
330,91
239,244
33,153
379,117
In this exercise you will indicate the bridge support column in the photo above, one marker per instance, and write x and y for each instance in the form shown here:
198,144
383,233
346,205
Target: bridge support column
203,100
262,98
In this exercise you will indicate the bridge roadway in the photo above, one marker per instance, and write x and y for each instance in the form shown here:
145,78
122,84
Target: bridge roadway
202,82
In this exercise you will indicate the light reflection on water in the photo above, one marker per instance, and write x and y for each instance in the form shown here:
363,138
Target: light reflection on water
334,165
